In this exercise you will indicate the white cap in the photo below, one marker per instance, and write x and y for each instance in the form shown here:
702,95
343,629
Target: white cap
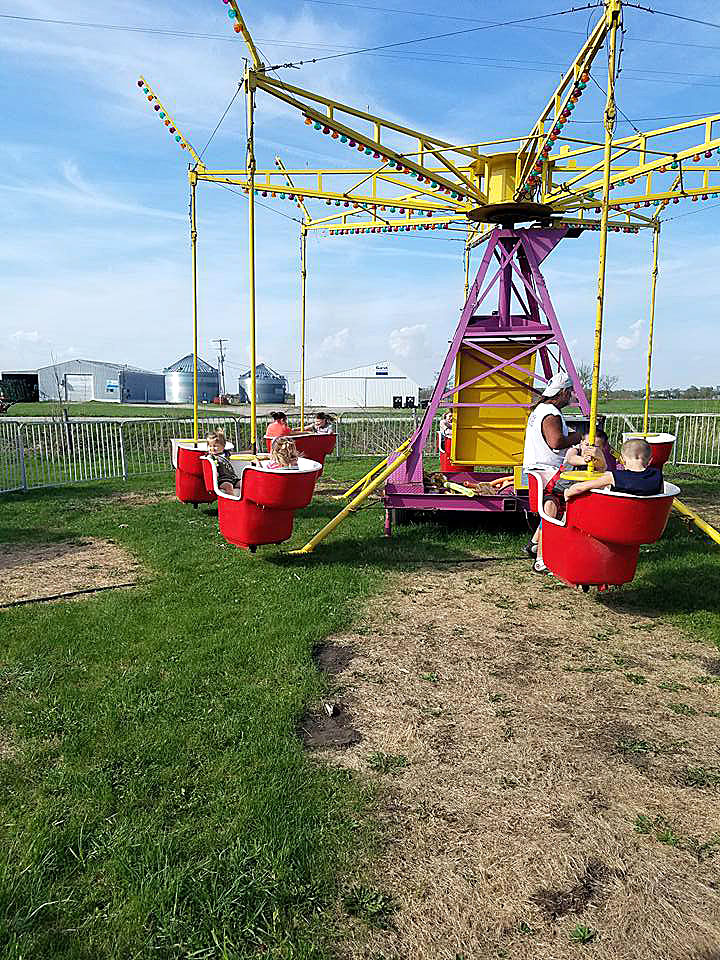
561,381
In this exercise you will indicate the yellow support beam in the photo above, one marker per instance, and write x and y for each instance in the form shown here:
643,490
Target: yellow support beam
359,484
241,27
354,503
561,96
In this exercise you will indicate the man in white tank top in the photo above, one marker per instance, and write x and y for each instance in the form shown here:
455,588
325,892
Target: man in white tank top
546,439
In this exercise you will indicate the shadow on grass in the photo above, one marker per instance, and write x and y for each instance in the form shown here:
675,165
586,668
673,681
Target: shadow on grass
679,575
427,540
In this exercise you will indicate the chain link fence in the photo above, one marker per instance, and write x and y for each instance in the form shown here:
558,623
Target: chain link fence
50,452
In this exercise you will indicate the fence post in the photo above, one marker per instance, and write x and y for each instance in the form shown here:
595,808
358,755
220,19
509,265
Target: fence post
123,461
21,454
677,440
337,436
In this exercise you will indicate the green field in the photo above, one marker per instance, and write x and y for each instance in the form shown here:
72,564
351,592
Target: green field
100,409
156,800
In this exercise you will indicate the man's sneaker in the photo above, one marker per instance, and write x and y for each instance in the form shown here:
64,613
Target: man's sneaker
531,549
539,567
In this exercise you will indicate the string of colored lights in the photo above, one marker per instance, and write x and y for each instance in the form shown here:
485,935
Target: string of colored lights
167,120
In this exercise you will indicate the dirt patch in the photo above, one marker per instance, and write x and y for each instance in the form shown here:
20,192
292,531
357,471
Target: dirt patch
559,756
332,658
328,728
36,572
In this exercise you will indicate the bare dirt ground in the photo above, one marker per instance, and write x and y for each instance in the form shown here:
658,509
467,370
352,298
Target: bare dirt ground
36,572
548,768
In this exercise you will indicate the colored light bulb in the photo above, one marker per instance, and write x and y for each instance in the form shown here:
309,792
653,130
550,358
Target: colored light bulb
231,13
237,28
696,158
708,153
334,134
156,107
308,121
318,126
141,83
145,89
172,129
162,114
326,130
343,138
178,138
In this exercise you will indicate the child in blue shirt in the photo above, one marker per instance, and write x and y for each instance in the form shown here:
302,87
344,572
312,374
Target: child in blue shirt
637,478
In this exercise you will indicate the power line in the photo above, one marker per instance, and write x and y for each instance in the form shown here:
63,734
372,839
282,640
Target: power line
675,16
679,216
217,126
439,36
537,66
195,35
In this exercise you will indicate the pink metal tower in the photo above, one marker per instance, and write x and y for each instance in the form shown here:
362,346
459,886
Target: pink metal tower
510,350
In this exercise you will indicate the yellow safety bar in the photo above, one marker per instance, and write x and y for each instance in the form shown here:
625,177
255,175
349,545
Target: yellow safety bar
359,484
354,504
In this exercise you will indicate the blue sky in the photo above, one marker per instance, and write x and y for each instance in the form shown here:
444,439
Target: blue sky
94,254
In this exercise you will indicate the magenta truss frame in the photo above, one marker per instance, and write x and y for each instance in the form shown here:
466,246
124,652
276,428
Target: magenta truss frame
524,313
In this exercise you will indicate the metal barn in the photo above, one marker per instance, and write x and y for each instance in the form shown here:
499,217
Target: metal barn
381,384
179,381
83,380
270,386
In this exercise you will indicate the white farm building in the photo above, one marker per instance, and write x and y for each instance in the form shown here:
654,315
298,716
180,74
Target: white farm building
380,384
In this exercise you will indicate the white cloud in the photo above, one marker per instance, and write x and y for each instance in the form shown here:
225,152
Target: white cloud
630,342
406,340
335,343
25,336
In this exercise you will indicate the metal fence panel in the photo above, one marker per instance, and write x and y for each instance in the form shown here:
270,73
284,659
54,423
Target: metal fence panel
12,475
48,452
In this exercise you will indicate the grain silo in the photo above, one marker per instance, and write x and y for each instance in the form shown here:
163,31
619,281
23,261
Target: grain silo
270,386
179,381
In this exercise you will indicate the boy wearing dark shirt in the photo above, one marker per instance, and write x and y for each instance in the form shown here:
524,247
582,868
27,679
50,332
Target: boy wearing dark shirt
637,477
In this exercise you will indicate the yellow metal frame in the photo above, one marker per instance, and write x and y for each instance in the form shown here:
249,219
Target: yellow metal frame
427,177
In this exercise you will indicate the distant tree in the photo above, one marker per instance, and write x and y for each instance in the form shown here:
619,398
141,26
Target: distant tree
608,384
584,372
692,392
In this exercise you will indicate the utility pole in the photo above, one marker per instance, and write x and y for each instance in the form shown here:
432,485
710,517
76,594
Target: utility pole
221,363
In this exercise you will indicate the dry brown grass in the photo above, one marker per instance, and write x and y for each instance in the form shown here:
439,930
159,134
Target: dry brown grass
533,745
39,571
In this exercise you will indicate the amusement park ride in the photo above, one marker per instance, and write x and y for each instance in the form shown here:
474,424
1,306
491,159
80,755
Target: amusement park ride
517,205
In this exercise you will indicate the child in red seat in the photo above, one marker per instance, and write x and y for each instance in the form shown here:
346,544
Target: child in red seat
228,480
637,477
284,455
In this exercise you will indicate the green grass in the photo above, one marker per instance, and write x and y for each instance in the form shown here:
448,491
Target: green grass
155,800
154,797
99,408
